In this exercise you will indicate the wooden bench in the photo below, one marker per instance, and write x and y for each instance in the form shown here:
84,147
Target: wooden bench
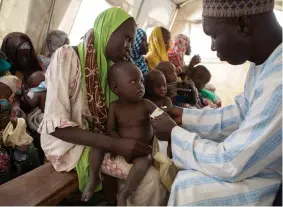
42,186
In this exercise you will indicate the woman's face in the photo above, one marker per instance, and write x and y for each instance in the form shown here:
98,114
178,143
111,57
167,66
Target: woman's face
119,45
144,45
166,37
23,57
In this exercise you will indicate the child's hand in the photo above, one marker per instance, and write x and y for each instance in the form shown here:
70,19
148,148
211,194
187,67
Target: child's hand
14,121
195,60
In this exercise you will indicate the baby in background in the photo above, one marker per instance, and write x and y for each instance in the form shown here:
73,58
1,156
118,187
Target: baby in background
156,89
181,93
201,76
128,117
8,88
36,95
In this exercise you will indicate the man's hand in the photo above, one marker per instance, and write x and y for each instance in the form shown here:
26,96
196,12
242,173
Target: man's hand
130,149
195,60
175,113
163,126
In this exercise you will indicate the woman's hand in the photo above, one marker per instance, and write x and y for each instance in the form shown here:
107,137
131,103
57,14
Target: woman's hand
175,113
130,149
163,126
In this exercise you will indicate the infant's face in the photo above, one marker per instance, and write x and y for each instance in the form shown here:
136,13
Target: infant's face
131,86
159,86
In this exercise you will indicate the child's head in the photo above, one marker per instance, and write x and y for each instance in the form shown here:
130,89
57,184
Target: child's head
155,84
35,79
126,81
200,75
168,69
8,87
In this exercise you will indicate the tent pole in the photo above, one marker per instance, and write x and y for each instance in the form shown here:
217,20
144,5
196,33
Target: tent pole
185,3
48,25
139,11
174,18
1,3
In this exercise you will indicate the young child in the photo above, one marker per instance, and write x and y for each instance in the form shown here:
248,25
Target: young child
181,93
8,88
128,117
36,95
156,89
201,76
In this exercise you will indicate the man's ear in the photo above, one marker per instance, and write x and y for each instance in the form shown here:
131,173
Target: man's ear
244,25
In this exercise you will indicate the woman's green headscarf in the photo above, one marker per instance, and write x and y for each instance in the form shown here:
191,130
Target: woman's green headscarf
105,24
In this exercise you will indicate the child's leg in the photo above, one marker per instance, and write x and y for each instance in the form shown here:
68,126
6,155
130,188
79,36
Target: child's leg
136,174
95,160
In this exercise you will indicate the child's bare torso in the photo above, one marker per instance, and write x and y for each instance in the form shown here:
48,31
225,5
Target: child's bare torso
133,121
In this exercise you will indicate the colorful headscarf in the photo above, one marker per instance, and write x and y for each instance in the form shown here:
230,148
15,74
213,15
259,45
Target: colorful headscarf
14,42
157,49
177,51
105,24
136,56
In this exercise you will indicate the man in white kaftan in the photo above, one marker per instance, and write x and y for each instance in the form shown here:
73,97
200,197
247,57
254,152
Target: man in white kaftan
233,155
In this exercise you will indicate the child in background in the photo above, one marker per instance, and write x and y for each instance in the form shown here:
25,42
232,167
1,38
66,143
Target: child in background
201,76
36,95
128,117
156,89
8,88
180,92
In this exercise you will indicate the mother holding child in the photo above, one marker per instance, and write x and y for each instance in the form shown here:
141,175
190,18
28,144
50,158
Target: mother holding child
77,102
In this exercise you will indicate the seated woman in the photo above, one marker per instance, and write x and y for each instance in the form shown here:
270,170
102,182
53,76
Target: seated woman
139,49
159,43
76,112
20,52
54,40
17,153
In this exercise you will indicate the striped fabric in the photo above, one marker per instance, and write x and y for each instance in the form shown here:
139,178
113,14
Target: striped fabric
233,155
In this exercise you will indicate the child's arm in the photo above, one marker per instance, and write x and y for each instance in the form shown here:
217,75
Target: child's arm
150,106
167,102
111,127
31,102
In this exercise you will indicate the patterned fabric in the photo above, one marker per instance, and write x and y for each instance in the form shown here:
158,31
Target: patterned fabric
157,49
177,51
235,8
105,24
233,155
136,56
94,95
44,61
25,46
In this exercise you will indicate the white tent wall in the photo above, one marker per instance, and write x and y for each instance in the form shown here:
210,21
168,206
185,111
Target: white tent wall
36,18
148,13
13,16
